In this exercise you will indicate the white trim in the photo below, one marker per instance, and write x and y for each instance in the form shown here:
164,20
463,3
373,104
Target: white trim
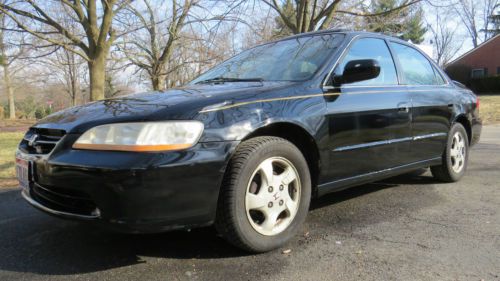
391,141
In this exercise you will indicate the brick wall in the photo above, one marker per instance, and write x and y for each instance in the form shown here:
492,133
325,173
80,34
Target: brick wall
485,56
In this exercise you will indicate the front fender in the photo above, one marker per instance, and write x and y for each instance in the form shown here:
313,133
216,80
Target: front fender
234,124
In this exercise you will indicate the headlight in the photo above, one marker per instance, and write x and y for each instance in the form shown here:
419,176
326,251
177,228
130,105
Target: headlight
147,136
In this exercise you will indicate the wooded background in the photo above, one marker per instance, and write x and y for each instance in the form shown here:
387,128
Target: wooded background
59,53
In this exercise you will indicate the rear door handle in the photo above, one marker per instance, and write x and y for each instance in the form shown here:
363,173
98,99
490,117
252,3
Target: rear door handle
403,107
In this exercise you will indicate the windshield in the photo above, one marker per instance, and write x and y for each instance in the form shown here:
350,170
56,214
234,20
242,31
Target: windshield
294,59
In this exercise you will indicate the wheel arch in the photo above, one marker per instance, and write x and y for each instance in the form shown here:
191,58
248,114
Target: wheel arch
301,138
464,121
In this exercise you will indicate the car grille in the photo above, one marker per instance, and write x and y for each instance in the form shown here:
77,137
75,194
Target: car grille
40,141
64,200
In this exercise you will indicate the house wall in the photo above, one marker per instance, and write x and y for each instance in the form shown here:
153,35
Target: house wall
485,56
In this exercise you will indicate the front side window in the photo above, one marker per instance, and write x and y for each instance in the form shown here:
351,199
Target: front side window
294,59
371,48
416,68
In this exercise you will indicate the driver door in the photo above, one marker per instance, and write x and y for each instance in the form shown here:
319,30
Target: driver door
369,121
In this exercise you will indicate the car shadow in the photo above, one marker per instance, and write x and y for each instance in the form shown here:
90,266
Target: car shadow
34,242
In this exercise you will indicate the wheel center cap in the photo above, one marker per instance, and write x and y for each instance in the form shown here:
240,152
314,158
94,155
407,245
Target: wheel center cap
276,196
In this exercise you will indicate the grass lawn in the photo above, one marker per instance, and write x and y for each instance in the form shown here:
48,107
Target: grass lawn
489,109
8,144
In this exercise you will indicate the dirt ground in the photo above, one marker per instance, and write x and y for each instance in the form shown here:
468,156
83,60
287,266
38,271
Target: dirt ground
15,125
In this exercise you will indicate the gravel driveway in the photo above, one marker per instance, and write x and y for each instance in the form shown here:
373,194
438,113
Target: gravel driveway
405,228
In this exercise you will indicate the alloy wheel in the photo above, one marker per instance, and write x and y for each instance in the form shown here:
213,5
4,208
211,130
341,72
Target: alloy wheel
457,152
272,196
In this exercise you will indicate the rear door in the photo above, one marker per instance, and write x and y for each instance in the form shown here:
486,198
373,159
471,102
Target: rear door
432,102
369,121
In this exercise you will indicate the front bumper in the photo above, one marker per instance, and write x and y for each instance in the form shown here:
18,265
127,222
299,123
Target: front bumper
127,191
54,211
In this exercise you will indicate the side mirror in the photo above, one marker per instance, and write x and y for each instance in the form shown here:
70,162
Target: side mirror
359,70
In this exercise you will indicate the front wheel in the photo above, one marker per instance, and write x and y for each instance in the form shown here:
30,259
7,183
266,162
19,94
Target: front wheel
455,156
265,194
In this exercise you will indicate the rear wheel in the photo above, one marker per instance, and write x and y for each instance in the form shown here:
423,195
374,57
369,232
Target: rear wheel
455,157
265,194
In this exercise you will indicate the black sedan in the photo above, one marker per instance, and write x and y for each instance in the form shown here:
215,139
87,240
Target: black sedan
246,145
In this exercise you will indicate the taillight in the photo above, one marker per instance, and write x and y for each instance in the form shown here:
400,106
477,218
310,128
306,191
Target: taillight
477,102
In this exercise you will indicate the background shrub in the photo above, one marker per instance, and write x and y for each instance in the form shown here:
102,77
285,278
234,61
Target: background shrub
485,85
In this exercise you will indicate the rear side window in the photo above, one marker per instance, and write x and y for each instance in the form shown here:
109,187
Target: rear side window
371,48
417,70
439,78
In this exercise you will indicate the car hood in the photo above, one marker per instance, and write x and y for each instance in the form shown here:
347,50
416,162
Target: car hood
174,104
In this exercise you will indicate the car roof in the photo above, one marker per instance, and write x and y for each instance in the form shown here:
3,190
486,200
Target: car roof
350,33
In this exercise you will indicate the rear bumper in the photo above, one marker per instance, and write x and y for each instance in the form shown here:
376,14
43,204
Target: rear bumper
131,192
476,128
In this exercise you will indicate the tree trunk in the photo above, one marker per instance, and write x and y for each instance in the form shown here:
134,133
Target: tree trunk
158,83
474,42
10,92
73,77
97,70
73,92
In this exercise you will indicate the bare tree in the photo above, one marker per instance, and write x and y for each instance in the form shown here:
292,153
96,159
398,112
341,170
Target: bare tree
66,66
488,17
118,82
5,62
150,48
264,28
166,32
42,19
476,17
443,37
307,15
494,27
68,69
12,48
198,51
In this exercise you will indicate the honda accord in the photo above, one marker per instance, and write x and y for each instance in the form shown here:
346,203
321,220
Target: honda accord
247,144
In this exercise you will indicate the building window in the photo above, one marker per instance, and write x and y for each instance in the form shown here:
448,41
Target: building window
478,73
498,70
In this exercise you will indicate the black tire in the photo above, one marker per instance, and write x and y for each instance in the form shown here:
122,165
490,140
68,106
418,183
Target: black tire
445,171
232,222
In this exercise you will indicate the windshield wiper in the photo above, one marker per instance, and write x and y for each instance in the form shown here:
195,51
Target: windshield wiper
221,79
